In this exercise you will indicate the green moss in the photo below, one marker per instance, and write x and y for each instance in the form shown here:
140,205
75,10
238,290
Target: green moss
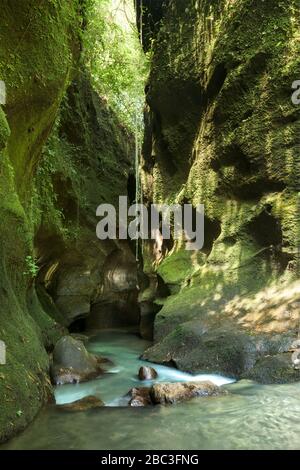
4,130
230,143
38,44
180,266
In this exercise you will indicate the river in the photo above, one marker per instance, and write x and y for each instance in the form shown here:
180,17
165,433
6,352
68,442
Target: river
251,416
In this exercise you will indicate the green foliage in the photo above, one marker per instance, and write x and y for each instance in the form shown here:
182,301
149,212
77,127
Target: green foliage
59,159
31,267
114,56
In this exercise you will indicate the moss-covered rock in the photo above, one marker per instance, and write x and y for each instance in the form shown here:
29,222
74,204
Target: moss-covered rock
39,42
274,369
4,130
231,142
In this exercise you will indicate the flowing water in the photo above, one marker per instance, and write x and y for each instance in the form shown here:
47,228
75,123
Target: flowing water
251,416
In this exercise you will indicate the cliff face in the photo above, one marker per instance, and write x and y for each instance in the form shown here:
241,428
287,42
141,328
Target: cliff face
62,153
35,79
221,130
86,162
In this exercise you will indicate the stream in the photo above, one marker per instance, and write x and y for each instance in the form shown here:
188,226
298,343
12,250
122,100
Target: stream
251,416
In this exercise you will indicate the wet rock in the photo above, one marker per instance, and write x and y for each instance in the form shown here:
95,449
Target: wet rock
84,404
223,350
75,287
295,349
80,337
148,311
148,308
114,311
295,344
140,396
115,304
203,346
171,393
274,369
147,373
120,272
62,376
296,359
72,363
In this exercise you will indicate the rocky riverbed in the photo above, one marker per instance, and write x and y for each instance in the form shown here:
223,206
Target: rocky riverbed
254,416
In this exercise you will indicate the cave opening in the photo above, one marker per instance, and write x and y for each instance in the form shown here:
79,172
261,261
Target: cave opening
78,326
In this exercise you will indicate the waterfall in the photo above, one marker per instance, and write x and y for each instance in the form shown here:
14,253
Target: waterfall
138,144
137,177
139,187
141,23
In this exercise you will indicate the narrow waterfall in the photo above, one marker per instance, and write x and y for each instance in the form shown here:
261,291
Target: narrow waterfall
138,187
137,180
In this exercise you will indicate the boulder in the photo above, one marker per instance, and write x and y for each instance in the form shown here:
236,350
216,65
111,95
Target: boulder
224,350
140,396
172,393
84,404
62,376
72,363
296,359
279,369
80,337
147,373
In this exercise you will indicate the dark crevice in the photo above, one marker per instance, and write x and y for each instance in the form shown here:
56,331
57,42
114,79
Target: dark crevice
149,14
163,290
234,156
253,190
162,146
212,231
216,82
78,326
131,188
265,229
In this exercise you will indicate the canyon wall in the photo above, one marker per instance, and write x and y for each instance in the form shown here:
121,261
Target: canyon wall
62,153
221,130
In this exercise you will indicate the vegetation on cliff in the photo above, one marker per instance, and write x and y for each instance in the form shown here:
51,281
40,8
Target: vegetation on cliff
232,144
220,130
64,150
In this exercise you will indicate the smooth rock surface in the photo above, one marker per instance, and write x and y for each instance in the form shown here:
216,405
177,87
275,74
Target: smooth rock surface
85,404
140,396
172,393
147,373
72,363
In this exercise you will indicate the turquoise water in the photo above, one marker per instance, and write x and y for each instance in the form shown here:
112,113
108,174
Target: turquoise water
251,416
